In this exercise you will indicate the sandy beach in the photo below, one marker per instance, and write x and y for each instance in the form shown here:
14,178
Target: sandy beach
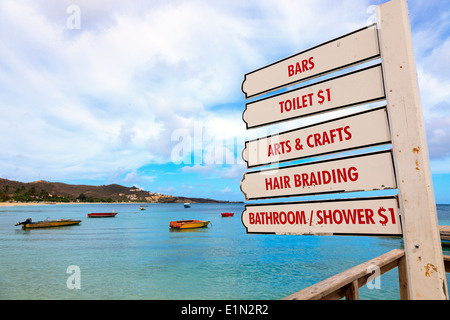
17,204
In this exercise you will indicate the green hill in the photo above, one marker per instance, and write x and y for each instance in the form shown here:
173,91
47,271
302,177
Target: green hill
61,192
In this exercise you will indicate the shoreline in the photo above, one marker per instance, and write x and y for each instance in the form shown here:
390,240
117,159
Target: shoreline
18,204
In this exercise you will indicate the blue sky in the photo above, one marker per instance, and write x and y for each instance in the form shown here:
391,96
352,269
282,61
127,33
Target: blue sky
148,93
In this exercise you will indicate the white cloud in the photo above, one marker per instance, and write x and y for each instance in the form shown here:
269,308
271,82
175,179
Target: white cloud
233,172
198,168
226,190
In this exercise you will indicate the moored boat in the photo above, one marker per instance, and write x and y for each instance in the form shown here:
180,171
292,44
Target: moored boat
102,214
227,214
29,224
187,205
188,224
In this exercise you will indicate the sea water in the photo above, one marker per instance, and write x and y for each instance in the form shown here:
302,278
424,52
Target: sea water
135,255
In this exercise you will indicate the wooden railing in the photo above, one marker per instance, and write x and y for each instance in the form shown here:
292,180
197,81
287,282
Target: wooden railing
347,283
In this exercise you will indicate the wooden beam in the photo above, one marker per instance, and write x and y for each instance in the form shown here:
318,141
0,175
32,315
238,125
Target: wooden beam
424,263
403,279
352,291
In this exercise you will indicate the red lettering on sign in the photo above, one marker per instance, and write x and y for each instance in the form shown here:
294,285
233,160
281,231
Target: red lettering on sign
275,218
299,67
274,149
325,177
296,103
328,137
282,217
311,63
349,216
278,183
391,210
369,216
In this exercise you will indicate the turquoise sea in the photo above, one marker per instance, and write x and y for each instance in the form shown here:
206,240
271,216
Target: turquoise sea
136,256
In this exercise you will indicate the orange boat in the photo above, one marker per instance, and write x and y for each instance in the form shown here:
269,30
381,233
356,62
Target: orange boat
188,224
227,214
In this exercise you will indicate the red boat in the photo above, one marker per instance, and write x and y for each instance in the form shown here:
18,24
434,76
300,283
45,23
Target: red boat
102,215
227,214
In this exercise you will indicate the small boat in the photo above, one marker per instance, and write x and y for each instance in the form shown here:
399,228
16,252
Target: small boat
187,205
227,214
28,224
188,224
141,208
102,214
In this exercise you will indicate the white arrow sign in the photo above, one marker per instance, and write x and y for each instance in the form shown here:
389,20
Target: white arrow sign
370,216
368,128
352,89
373,171
350,49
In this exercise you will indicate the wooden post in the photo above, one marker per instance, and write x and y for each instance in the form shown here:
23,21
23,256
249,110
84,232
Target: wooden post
423,253
352,292
403,279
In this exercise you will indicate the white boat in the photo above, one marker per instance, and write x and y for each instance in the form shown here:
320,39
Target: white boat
187,205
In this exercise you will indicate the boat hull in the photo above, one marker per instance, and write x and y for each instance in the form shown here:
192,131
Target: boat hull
102,215
188,224
227,214
50,224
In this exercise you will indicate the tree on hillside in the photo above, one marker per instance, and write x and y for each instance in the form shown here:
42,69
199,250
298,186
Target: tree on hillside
4,194
82,197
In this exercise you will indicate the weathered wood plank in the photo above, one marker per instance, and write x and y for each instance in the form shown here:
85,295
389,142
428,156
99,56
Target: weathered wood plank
415,189
403,279
352,292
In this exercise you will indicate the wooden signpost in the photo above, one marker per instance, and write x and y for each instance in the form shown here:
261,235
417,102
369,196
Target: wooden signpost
423,251
411,214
